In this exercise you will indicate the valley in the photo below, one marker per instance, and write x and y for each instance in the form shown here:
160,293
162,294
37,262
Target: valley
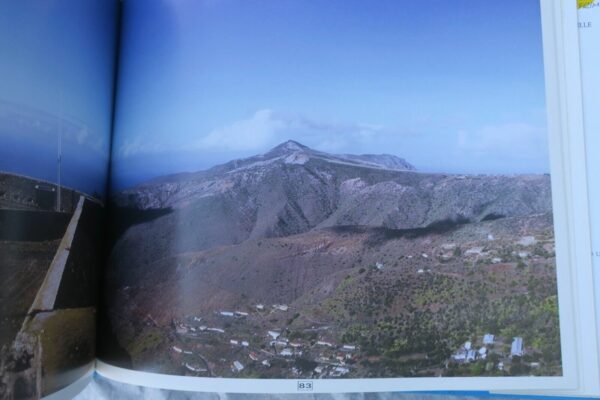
301,264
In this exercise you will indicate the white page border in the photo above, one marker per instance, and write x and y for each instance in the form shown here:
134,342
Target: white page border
74,388
569,82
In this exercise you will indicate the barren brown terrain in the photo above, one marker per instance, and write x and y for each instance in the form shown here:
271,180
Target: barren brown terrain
301,264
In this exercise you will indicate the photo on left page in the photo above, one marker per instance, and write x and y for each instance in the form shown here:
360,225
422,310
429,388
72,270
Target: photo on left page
55,113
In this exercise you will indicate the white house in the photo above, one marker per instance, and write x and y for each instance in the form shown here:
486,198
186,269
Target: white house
238,366
527,241
323,343
488,338
226,313
516,348
260,307
471,355
177,349
467,346
273,334
241,314
234,342
245,343
349,347
193,368
280,307
483,353
266,363
287,352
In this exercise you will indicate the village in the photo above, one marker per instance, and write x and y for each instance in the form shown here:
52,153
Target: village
207,346
260,339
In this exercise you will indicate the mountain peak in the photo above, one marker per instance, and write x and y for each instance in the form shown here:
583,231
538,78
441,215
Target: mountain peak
293,152
289,146
296,153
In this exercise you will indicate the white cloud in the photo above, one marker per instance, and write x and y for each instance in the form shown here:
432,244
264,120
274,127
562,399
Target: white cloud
139,144
268,128
495,148
249,134
519,140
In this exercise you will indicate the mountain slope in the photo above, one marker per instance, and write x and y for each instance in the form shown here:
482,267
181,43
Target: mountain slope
293,189
361,248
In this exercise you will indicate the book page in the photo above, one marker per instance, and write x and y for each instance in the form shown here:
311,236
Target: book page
56,84
334,196
589,35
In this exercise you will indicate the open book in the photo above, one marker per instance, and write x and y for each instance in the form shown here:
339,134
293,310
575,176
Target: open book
295,196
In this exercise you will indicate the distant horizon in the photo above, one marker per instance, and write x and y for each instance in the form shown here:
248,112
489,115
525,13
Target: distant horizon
133,181
29,139
56,78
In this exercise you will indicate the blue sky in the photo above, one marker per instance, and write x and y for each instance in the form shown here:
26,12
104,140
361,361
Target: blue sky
452,86
56,72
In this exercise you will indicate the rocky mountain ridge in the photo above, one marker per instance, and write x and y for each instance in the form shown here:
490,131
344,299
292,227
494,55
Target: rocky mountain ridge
301,188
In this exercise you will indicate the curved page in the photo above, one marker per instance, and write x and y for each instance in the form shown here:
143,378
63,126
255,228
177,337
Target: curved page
56,82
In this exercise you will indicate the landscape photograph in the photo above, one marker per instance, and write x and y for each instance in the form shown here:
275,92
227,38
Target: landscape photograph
54,148
50,259
309,190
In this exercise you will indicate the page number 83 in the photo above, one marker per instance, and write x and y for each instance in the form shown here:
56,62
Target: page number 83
305,386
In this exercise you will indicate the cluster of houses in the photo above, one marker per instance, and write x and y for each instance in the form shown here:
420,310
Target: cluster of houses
468,352
194,324
331,360
188,330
